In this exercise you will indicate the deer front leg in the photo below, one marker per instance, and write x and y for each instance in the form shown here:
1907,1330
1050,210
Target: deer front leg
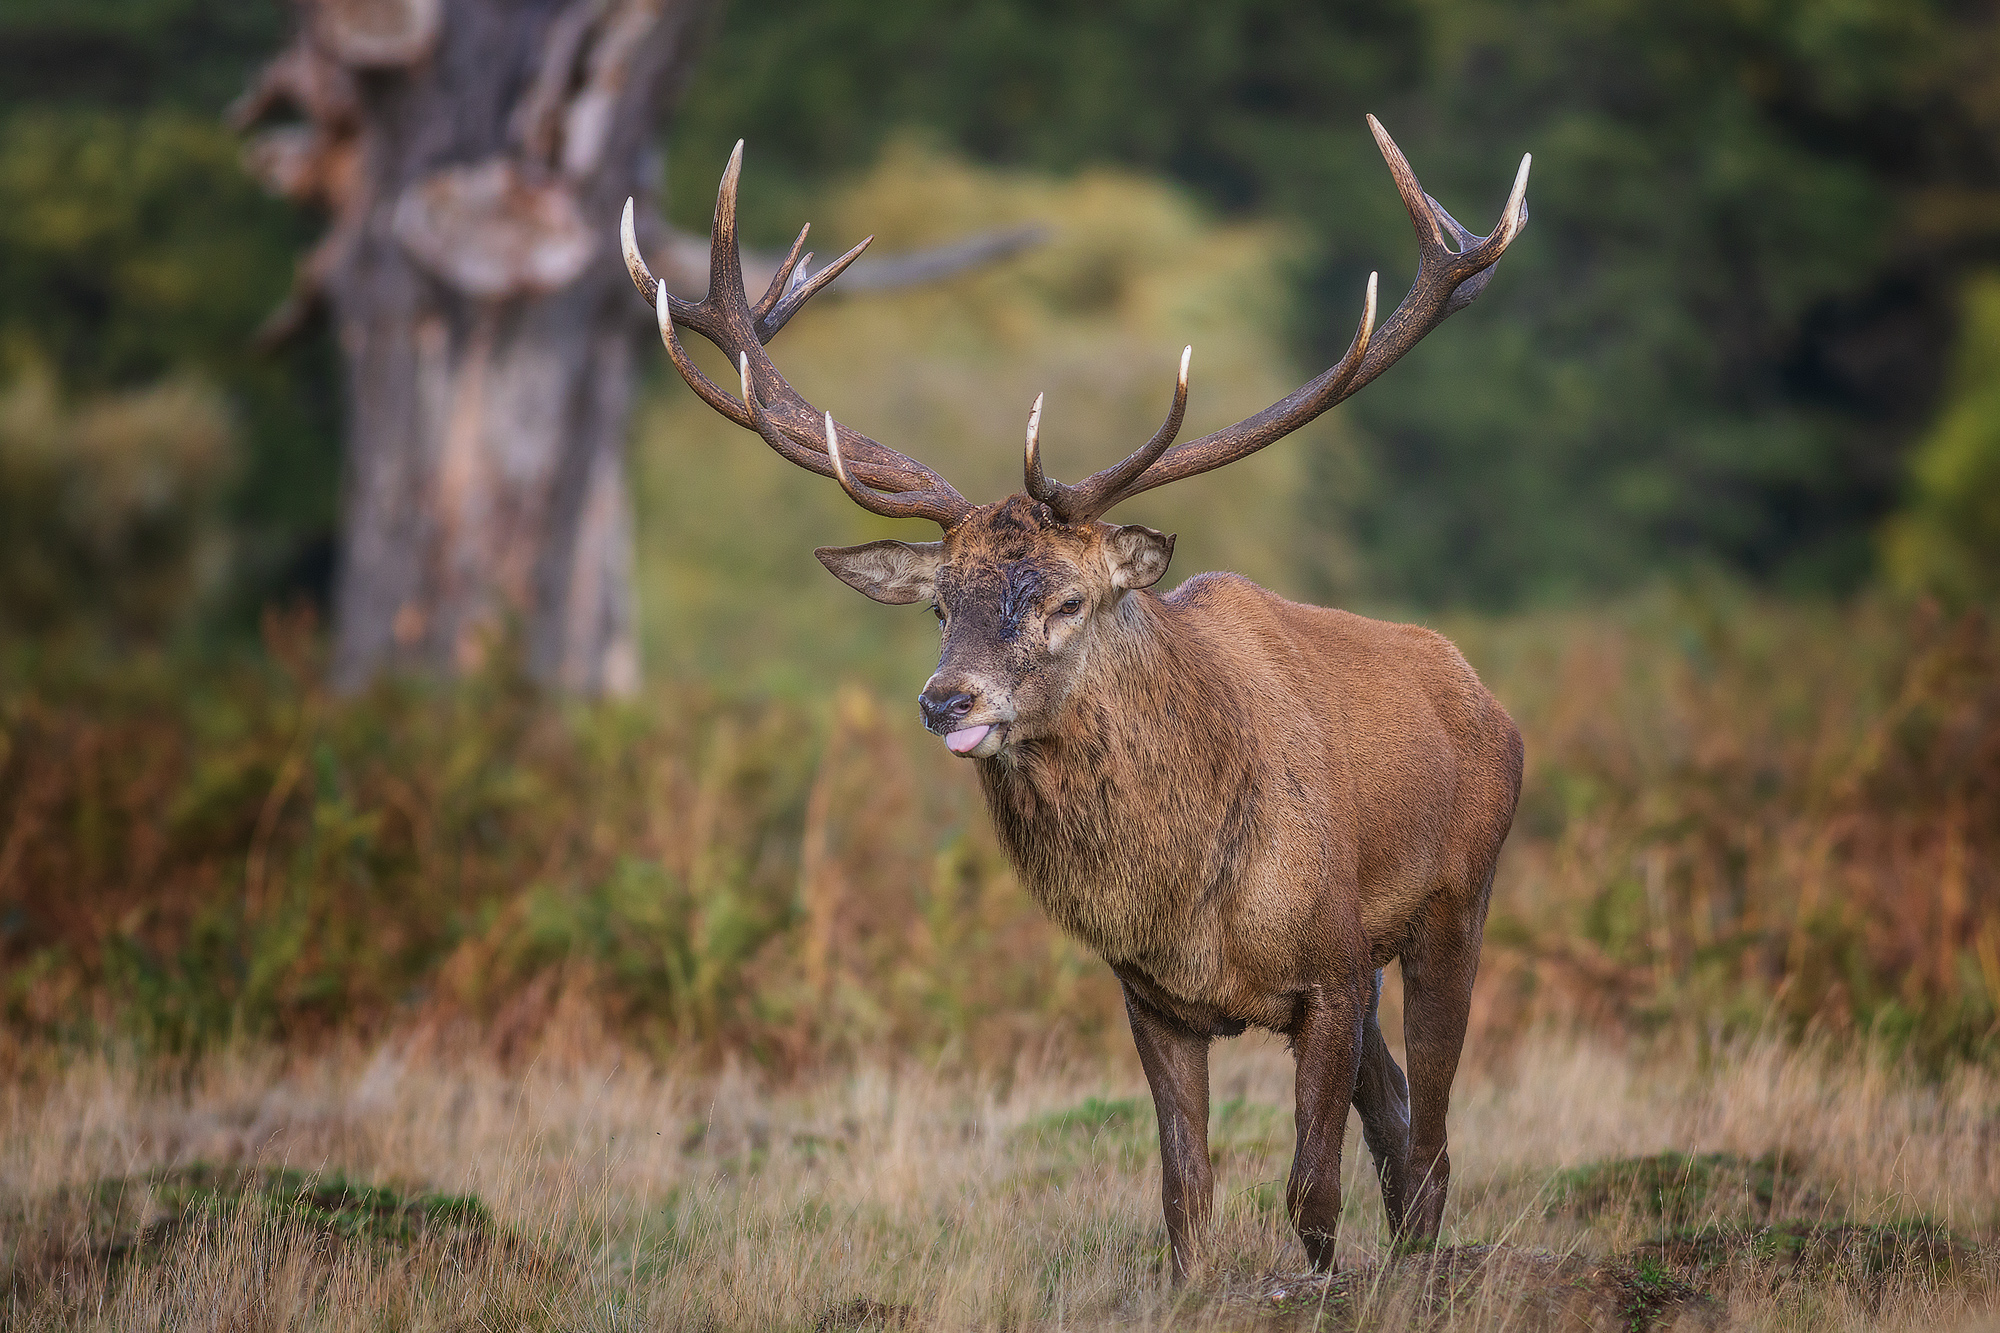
1176,1064
1326,1043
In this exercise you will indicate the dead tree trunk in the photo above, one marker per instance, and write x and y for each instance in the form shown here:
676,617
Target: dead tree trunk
474,155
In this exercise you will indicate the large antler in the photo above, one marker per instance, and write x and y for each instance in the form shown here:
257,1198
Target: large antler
1447,281
770,406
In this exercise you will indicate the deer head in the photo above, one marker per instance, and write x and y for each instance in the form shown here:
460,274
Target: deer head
1027,589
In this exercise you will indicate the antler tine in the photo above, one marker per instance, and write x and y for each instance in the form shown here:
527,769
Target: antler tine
781,281
635,264
945,506
1275,422
940,502
1083,502
1512,219
725,259
1515,217
1418,203
803,289
705,388
788,423
1447,281
787,448
1038,486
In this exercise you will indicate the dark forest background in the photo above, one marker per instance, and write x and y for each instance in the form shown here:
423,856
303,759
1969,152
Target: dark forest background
1758,233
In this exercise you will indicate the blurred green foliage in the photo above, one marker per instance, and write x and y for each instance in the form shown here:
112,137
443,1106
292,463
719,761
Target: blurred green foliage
1714,346
134,54
135,250
131,245
1948,538
1711,346
116,500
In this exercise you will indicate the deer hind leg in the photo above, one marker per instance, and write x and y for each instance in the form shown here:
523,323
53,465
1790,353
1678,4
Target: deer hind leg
1326,1042
1382,1096
1439,965
1176,1065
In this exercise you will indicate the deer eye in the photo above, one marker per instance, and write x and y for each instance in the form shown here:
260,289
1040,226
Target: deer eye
1071,607
937,611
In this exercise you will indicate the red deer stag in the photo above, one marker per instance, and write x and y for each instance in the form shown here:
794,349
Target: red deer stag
1247,807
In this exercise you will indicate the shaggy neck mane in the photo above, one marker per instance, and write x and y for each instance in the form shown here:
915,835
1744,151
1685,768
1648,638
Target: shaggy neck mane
1144,746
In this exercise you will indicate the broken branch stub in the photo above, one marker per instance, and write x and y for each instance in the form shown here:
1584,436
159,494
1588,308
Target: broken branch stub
378,34
492,234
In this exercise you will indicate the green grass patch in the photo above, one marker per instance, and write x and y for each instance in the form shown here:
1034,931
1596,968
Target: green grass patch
128,1218
1650,1295
1869,1253
1091,1119
1685,1189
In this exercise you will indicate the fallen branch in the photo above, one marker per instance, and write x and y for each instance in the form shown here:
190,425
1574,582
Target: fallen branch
682,262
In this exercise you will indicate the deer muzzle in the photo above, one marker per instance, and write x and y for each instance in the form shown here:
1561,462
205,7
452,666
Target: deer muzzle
969,724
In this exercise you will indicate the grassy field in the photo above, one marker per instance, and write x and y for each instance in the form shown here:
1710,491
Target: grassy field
1767,1185
467,1008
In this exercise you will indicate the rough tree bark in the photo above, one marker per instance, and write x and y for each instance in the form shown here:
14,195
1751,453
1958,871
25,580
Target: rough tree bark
474,155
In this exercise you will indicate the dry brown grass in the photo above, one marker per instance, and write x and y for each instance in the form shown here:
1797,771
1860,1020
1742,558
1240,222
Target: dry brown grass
624,1195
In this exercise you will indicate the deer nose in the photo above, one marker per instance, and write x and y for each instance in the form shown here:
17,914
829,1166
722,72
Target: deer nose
942,711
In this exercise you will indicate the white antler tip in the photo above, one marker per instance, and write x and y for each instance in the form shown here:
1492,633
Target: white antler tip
628,242
1517,199
1363,334
833,455
732,174
743,369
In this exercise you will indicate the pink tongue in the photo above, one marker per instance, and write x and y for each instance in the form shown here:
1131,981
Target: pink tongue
958,742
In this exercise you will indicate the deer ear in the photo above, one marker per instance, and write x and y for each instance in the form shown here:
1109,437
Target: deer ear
890,571
1138,556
